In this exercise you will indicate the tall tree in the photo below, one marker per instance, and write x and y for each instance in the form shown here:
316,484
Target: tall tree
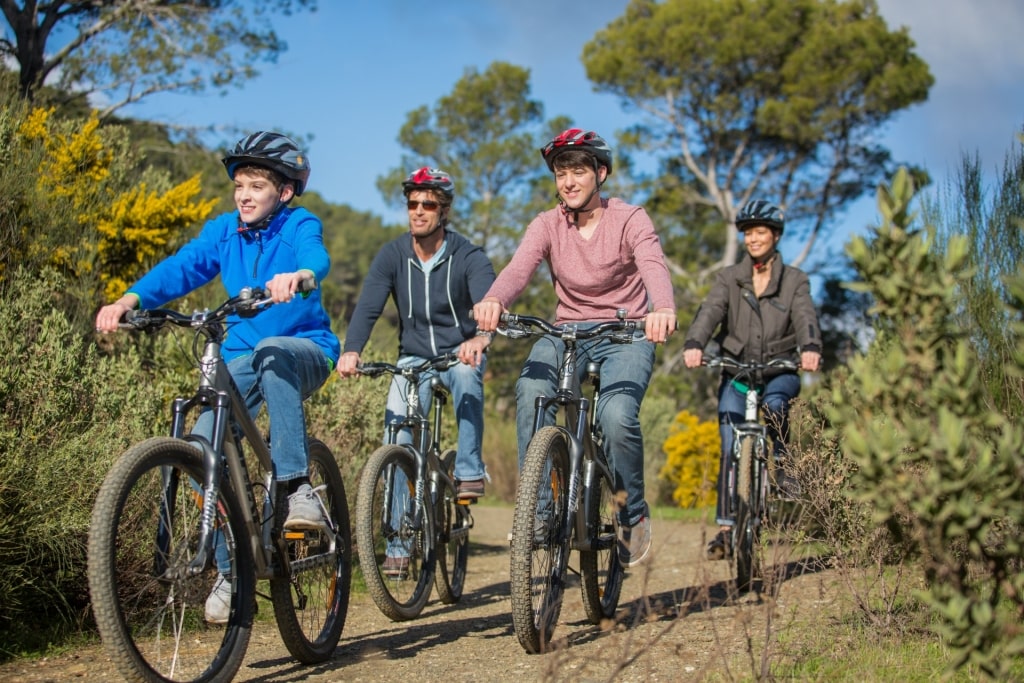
486,133
130,49
775,99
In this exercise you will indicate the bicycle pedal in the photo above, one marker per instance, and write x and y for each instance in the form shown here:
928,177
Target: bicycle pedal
465,501
294,535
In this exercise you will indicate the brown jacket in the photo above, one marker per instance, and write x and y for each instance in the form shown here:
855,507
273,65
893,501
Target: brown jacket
780,323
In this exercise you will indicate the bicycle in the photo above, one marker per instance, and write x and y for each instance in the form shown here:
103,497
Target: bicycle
408,504
565,464
169,505
750,479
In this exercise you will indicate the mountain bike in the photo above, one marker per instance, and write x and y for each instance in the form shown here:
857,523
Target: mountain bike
412,531
566,498
750,478
173,510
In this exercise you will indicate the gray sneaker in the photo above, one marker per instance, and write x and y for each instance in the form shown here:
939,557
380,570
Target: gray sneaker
304,510
218,604
635,542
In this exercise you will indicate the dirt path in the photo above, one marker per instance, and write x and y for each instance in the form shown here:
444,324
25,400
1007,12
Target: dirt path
675,621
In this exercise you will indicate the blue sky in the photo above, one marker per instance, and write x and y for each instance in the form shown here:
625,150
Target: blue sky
355,68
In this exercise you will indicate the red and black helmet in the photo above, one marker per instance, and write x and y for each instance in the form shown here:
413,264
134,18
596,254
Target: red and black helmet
274,151
760,212
577,138
428,178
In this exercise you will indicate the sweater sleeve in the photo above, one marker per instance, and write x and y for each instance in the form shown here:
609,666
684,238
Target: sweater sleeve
372,299
195,264
514,277
650,260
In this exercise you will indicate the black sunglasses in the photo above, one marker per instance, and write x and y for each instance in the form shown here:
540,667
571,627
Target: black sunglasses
429,205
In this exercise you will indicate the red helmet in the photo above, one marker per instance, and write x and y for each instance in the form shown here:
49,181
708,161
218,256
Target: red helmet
577,138
428,178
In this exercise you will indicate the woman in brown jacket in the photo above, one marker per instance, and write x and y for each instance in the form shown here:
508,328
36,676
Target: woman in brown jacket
762,310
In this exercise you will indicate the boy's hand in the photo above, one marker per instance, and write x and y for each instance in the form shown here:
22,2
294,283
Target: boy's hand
283,286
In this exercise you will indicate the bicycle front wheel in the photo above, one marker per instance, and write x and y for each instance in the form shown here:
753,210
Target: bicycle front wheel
540,539
453,523
151,605
396,551
311,595
601,572
745,532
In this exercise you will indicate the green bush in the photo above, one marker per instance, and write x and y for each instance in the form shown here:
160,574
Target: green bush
68,412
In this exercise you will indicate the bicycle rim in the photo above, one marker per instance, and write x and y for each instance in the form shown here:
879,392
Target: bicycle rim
540,540
453,525
311,602
601,572
745,530
149,609
384,525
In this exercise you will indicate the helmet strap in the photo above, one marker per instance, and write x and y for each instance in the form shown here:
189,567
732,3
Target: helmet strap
246,228
764,263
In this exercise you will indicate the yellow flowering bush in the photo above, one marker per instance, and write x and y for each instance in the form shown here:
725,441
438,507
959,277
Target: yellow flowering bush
692,459
85,215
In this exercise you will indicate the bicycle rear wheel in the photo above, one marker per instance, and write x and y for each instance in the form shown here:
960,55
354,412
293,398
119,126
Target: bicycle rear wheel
540,539
745,532
453,523
149,606
311,594
385,526
601,572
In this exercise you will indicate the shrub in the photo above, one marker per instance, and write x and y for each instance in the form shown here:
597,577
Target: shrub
692,452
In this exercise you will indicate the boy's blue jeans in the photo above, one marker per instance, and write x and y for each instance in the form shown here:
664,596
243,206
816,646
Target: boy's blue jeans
625,373
282,372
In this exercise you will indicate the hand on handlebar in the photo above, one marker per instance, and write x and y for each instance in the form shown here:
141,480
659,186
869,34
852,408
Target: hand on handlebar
810,361
487,314
659,325
109,317
284,286
348,364
693,357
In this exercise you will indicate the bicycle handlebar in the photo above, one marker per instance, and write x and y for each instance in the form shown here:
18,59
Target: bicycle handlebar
378,368
749,367
515,326
249,302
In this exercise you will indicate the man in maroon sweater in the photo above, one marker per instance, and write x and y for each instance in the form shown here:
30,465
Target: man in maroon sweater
604,255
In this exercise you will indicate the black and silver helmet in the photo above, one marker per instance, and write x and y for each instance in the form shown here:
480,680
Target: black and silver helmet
274,151
760,212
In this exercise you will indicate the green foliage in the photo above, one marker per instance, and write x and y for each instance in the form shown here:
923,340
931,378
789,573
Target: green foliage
134,48
692,451
773,98
67,413
939,470
486,134
990,220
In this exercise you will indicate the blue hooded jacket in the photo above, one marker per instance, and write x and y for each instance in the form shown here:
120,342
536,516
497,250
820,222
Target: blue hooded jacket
250,258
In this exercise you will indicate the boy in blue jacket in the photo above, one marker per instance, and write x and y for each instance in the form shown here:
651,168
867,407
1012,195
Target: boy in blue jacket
284,354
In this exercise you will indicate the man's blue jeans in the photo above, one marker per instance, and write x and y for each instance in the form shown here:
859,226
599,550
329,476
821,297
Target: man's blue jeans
778,393
282,372
625,373
466,385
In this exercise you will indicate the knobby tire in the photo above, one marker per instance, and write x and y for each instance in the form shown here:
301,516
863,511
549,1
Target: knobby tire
453,523
143,535
310,595
601,572
540,539
403,596
746,530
